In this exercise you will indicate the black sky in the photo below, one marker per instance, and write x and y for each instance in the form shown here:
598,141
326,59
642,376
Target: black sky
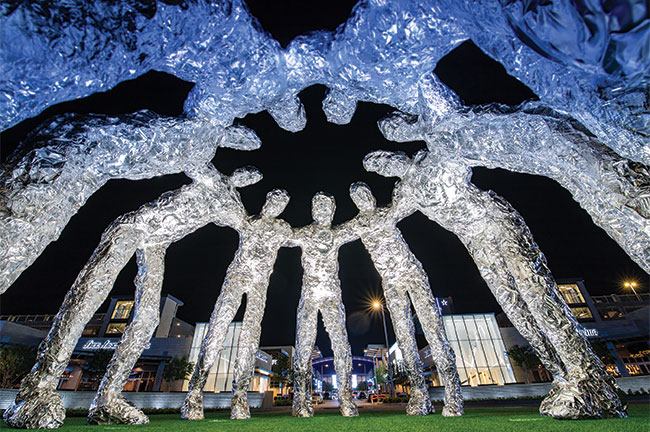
325,157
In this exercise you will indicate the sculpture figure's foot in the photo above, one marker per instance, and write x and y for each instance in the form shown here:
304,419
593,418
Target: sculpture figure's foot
40,409
193,406
113,408
419,403
239,409
594,397
452,411
546,407
348,408
454,405
302,408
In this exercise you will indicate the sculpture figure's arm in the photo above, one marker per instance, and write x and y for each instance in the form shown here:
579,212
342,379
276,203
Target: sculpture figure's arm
402,206
346,232
295,238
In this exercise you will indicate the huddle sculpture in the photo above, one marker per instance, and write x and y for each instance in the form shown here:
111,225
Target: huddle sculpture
493,232
402,276
321,292
587,129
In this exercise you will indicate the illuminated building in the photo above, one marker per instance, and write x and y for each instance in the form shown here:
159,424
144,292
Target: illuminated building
222,372
481,356
617,326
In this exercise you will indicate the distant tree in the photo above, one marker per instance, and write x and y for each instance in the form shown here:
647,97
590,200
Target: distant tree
15,362
400,375
525,358
381,375
327,386
600,349
362,386
178,369
97,364
283,372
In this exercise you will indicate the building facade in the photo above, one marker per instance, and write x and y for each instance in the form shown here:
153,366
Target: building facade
221,374
615,324
172,339
481,356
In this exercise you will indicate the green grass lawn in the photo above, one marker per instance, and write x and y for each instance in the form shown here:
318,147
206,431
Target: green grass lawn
516,419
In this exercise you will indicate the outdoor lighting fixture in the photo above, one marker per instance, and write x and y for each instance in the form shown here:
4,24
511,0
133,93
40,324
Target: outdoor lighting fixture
632,285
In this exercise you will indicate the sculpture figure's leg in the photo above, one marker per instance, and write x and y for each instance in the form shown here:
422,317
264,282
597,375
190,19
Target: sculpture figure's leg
334,319
590,390
400,313
441,351
37,404
222,315
501,245
306,326
109,406
503,287
249,343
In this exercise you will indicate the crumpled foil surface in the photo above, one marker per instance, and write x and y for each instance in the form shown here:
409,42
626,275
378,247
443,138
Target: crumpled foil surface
588,59
510,261
211,198
592,66
321,292
403,276
587,62
615,191
69,158
109,406
260,239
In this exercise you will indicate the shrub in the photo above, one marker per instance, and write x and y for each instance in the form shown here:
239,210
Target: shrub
401,399
283,402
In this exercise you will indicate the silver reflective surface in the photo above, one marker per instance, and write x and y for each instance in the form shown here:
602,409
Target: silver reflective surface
109,406
211,198
403,277
587,62
71,157
514,268
614,190
260,238
321,292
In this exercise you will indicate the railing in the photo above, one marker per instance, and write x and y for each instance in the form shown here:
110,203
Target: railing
624,298
41,318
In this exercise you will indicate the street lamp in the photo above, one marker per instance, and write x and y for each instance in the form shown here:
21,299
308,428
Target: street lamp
632,285
376,304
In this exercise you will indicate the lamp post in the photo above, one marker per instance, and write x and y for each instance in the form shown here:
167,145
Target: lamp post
379,305
632,285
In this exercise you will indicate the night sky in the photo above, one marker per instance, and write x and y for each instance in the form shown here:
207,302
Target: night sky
323,157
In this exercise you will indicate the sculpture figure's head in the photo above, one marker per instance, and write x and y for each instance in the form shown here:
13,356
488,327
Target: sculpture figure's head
322,208
362,196
387,163
245,176
276,202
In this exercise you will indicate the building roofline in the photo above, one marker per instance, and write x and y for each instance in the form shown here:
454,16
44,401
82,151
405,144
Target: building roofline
180,303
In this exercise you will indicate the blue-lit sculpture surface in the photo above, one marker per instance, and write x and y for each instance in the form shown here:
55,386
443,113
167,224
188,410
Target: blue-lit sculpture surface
588,63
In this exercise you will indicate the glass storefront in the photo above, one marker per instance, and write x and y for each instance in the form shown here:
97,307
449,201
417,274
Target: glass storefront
481,356
122,310
571,293
221,374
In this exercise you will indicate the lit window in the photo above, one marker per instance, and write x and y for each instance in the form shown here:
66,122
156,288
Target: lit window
633,369
115,328
582,313
609,314
571,293
122,309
